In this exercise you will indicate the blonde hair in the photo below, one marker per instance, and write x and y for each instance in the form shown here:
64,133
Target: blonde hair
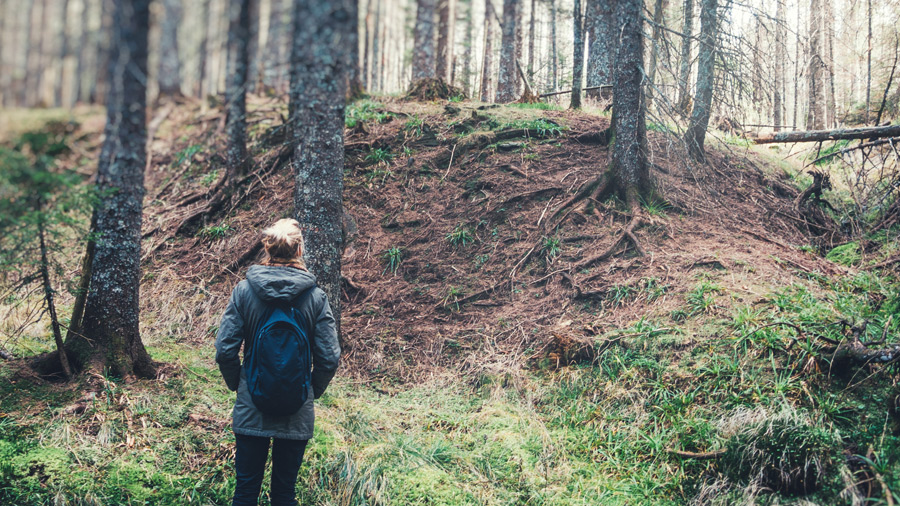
283,242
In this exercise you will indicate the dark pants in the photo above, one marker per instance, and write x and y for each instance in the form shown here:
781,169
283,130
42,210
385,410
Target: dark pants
250,465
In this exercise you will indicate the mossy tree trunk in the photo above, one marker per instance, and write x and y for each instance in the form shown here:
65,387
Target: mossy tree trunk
110,339
319,67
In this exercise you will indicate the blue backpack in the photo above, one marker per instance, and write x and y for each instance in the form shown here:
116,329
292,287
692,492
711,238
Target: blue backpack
278,370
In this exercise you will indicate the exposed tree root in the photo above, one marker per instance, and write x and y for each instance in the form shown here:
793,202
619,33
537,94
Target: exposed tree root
626,238
594,188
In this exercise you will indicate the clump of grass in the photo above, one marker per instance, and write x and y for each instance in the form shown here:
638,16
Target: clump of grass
542,106
785,451
655,206
544,127
187,154
215,232
461,236
379,155
845,254
363,111
550,246
392,259
451,299
414,126
701,298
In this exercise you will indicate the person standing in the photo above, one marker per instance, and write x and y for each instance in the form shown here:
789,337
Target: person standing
285,325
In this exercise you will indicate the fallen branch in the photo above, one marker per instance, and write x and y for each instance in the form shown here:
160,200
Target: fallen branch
699,456
847,150
830,135
563,92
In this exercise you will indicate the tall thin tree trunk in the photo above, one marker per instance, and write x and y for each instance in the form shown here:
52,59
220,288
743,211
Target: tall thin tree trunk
578,57
445,40
319,67
367,23
780,57
204,48
424,48
531,35
796,105
48,300
816,113
355,87
868,59
253,50
467,53
64,51
237,159
554,54
112,308
684,73
828,64
696,132
658,23
273,56
508,77
487,64
378,70
168,76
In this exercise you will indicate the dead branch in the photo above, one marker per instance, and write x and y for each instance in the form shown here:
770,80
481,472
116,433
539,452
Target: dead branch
830,135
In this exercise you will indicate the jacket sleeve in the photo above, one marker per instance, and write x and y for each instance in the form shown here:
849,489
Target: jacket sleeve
326,350
228,343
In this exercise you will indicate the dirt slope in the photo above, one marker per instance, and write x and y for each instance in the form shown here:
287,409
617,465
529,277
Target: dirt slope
463,199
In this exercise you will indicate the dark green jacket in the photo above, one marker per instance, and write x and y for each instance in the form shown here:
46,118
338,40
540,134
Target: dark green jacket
243,316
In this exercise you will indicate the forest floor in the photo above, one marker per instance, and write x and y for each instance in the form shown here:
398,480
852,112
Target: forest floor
485,361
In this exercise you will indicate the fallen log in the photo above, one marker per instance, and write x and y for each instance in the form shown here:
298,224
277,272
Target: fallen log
830,135
563,92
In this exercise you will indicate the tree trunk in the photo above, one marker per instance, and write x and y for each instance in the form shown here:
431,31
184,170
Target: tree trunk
831,135
630,168
253,65
48,300
424,49
509,77
695,135
319,67
601,47
446,27
487,64
168,76
815,118
100,85
780,57
378,69
658,24
64,50
554,54
531,35
237,158
355,87
578,56
204,44
828,64
796,104
868,59
273,56
367,23
467,53
684,72
112,308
